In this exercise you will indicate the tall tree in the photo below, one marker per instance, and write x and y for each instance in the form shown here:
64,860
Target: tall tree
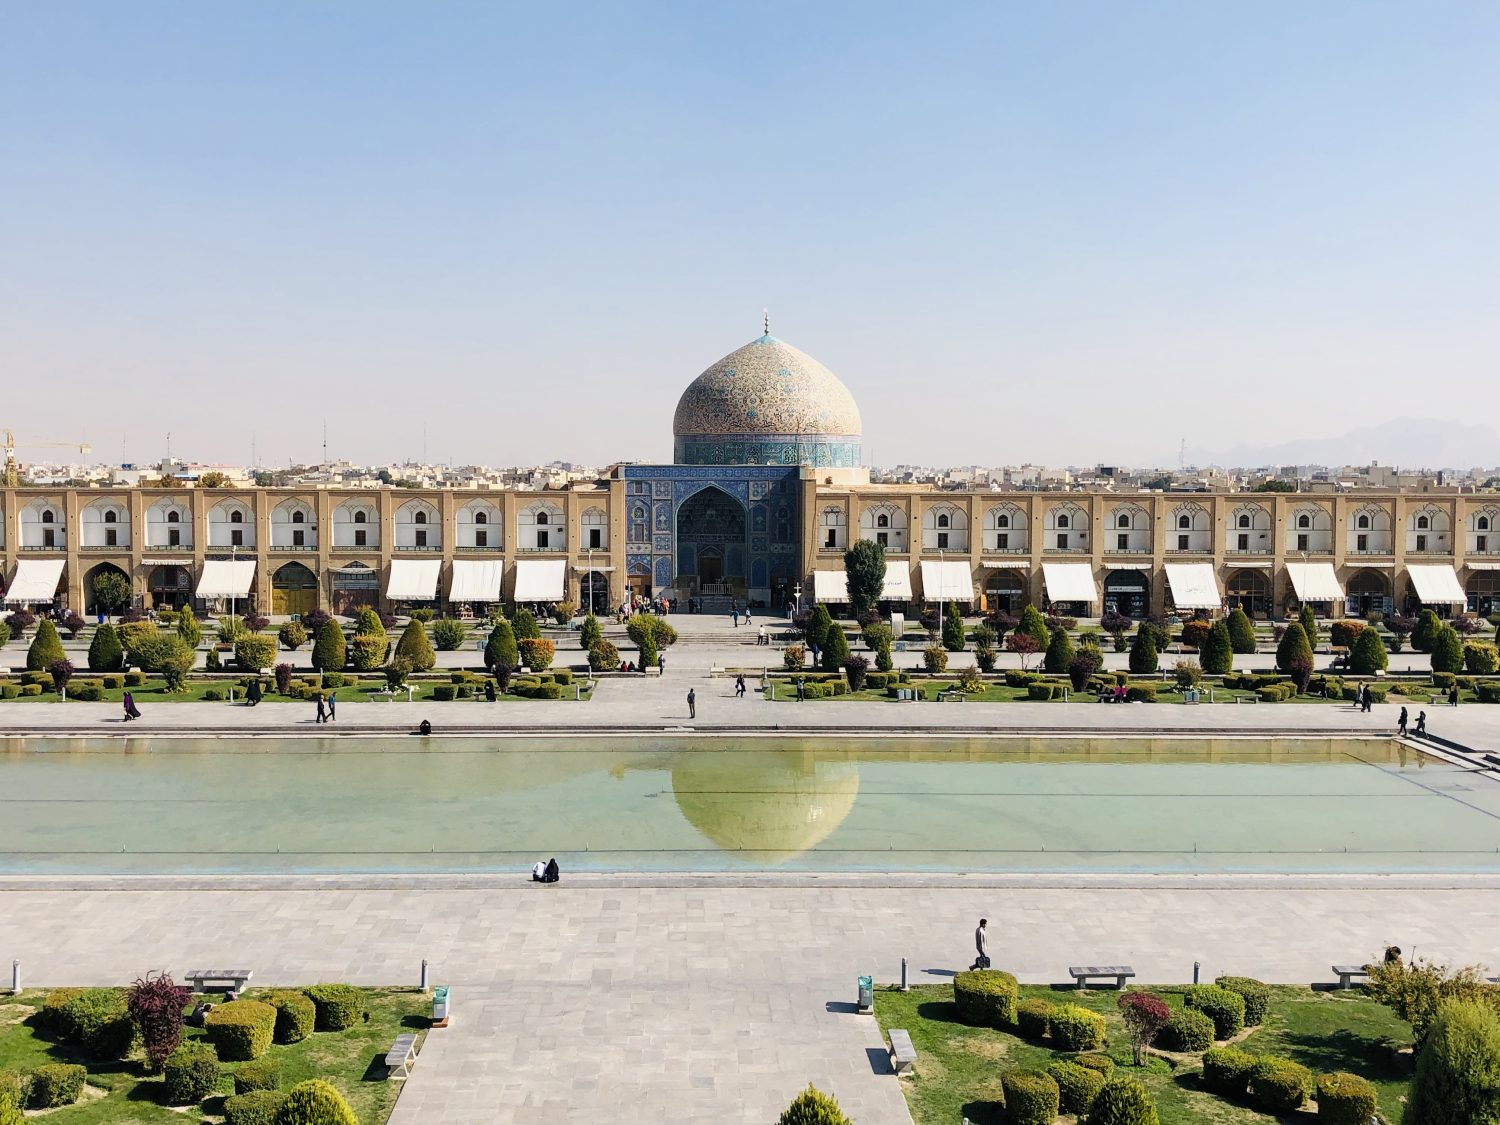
415,646
1059,653
1143,657
1293,650
1241,632
864,571
835,649
1447,650
46,647
1216,654
329,650
187,627
1033,623
817,626
1309,622
500,649
953,628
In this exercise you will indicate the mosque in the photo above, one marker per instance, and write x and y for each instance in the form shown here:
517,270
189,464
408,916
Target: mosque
766,492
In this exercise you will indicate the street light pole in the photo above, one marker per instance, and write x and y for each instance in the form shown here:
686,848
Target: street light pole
591,581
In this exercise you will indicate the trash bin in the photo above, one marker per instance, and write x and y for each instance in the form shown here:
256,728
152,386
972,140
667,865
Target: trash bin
866,994
440,1005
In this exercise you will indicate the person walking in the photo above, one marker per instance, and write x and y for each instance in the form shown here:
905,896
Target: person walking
1369,699
734,613
801,691
332,709
1401,723
130,709
1453,696
322,708
739,686
1421,730
981,946
661,664
692,700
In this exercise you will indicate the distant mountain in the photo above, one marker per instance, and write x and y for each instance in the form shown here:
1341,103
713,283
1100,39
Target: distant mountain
1407,443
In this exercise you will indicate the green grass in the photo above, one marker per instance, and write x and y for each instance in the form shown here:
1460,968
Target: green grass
353,1060
154,691
958,1067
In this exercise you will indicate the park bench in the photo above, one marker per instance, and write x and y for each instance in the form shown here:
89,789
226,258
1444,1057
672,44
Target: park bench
402,1054
903,1054
1082,974
1347,973
951,696
232,980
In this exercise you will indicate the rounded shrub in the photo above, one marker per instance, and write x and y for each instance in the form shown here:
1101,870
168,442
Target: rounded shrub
986,998
296,1015
1077,1029
1077,1086
98,1020
1031,1097
1097,1062
12,1089
1256,994
56,1084
1458,1067
1225,1008
252,652
315,1102
264,1074
1187,1030
537,653
1279,1085
338,1006
241,1030
1227,1071
50,1020
1344,1099
415,646
1033,1018
1123,1101
812,1107
191,1073
258,1107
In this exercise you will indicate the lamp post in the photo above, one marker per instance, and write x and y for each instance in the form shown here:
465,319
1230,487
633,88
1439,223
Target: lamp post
233,558
942,579
591,581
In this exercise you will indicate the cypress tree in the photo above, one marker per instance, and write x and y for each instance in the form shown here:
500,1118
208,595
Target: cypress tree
500,649
1447,650
590,634
953,629
1059,653
1309,622
1241,631
1143,653
328,653
1293,648
835,649
813,1107
818,625
524,627
1034,623
1367,654
187,627
367,624
415,646
864,573
46,648
1426,631
1216,654
105,651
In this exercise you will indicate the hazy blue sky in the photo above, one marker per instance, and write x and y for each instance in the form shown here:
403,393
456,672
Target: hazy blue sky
1059,232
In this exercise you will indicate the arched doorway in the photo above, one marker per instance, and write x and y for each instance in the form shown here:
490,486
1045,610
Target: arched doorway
593,592
711,545
1483,592
170,587
1369,592
1127,592
1250,590
119,582
294,590
1004,592
354,587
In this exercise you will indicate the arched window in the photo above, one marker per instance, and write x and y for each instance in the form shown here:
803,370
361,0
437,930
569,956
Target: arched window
174,517
419,517
1422,522
1062,521
942,520
1122,520
542,519
47,516
1483,524
1184,522
1362,522
1002,521
359,517
236,517
882,521
1244,521
110,517
481,517
299,517
1304,520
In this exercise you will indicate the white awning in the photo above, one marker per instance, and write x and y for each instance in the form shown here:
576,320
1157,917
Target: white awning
541,580
35,581
1314,582
948,581
476,580
830,586
897,586
1483,565
224,579
1070,582
1436,584
413,580
158,560
1194,586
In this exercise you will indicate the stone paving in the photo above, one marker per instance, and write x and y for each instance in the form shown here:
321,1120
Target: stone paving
713,1000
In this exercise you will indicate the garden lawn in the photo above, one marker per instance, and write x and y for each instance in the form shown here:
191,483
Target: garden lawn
353,1060
958,1067
154,691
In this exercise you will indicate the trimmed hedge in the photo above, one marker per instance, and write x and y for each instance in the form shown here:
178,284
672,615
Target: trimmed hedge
1256,994
258,1107
241,1030
1033,1018
315,1103
1345,1099
1031,1097
1077,1029
1225,1008
1099,1062
338,1005
264,1074
1187,1030
1279,1085
51,1019
296,1015
986,998
1123,1101
1077,1086
191,1073
56,1084
1227,1071
1141,693
98,1020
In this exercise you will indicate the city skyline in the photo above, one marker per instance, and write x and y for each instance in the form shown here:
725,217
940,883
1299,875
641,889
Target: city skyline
1011,233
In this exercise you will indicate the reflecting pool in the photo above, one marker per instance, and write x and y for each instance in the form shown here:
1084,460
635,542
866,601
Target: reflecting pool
401,803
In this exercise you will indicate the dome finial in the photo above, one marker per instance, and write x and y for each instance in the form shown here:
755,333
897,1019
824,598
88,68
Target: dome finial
766,320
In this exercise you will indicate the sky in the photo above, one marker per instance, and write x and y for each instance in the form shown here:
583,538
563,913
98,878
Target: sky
1063,233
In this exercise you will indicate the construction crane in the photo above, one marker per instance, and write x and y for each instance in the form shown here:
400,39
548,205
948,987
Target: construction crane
13,474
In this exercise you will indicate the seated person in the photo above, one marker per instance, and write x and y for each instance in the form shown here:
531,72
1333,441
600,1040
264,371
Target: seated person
539,871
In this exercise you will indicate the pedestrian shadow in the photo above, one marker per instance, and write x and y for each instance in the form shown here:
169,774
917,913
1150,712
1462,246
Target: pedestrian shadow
941,972
841,1007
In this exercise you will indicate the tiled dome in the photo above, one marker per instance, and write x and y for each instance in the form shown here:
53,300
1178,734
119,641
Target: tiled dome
767,402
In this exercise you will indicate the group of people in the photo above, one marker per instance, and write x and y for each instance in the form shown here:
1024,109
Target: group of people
327,707
638,604
1421,727
736,613
545,872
